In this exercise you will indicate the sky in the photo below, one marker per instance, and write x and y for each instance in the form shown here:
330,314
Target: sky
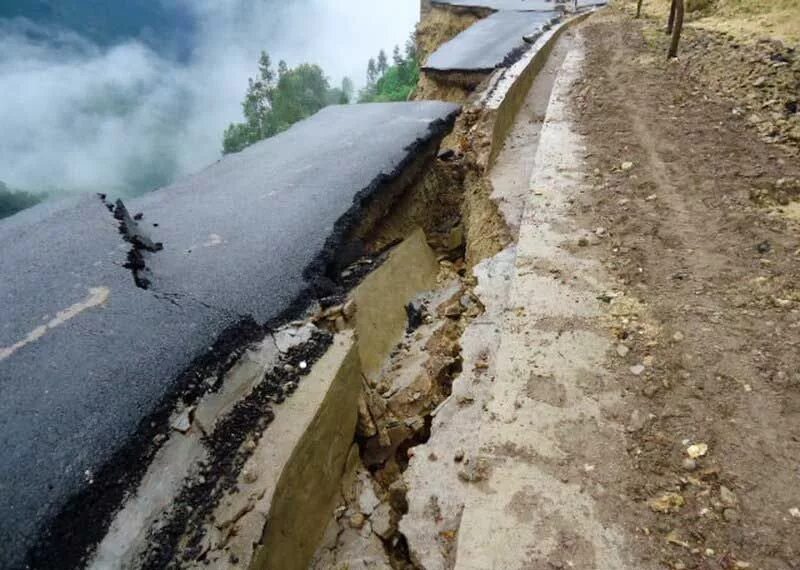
125,118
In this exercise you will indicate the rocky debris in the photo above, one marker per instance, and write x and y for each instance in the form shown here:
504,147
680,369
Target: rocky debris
394,416
182,529
759,77
667,503
382,520
182,421
697,450
416,312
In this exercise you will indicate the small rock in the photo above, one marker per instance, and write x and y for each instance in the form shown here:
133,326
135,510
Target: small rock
453,310
357,521
340,324
760,82
459,456
183,421
697,450
600,232
727,496
368,500
623,350
764,247
689,464
349,309
648,360
637,370
667,503
583,242
731,515
250,477
382,523
651,389
637,421
795,512
627,166
678,336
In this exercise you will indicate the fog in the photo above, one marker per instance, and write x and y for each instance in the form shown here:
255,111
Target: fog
125,119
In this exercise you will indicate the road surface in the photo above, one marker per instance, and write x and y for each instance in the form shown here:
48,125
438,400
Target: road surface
490,43
86,354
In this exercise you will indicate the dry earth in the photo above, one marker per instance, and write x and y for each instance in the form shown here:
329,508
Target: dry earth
695,215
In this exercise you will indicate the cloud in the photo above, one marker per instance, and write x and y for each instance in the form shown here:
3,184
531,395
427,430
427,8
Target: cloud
124,119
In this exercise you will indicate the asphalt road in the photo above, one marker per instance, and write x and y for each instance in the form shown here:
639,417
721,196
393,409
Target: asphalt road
518,5
491,42
85,354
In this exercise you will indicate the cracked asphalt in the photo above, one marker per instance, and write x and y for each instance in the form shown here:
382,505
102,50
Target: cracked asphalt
86,355
491,42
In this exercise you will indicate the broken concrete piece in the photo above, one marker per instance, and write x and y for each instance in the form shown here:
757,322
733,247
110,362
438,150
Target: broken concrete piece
183,421
367,501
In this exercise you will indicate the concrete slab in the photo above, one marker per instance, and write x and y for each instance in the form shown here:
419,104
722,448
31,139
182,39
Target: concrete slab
87,357
493,42
547,442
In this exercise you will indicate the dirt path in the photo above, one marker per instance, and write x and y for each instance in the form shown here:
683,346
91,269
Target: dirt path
711,353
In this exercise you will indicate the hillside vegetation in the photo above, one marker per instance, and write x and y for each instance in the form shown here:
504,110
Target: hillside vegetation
13,201
276,100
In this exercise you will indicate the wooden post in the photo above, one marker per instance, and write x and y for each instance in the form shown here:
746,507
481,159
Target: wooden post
673,7
676,33
639,8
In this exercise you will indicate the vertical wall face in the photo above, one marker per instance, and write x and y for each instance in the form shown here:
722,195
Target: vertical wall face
382,297
309,485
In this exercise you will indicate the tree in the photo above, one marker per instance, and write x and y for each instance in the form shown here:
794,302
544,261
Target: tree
372,72
396,82
411,48
271,105
383,63
678,28
673,7
397,59
348,89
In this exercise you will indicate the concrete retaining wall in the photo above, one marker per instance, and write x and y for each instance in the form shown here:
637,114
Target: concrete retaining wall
507,91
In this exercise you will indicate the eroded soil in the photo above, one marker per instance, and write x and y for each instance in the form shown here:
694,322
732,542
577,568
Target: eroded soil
692,209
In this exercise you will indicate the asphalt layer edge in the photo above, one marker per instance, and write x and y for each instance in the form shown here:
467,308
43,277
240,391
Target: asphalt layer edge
67,540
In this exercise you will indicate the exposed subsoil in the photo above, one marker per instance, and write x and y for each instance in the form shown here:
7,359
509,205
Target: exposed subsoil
683,203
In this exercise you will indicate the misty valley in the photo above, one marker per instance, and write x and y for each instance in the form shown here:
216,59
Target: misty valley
124,99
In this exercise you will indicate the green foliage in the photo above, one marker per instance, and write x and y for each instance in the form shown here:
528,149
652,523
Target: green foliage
394,82
13,201
274,103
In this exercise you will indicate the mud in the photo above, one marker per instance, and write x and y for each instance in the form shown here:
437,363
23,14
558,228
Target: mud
714,336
